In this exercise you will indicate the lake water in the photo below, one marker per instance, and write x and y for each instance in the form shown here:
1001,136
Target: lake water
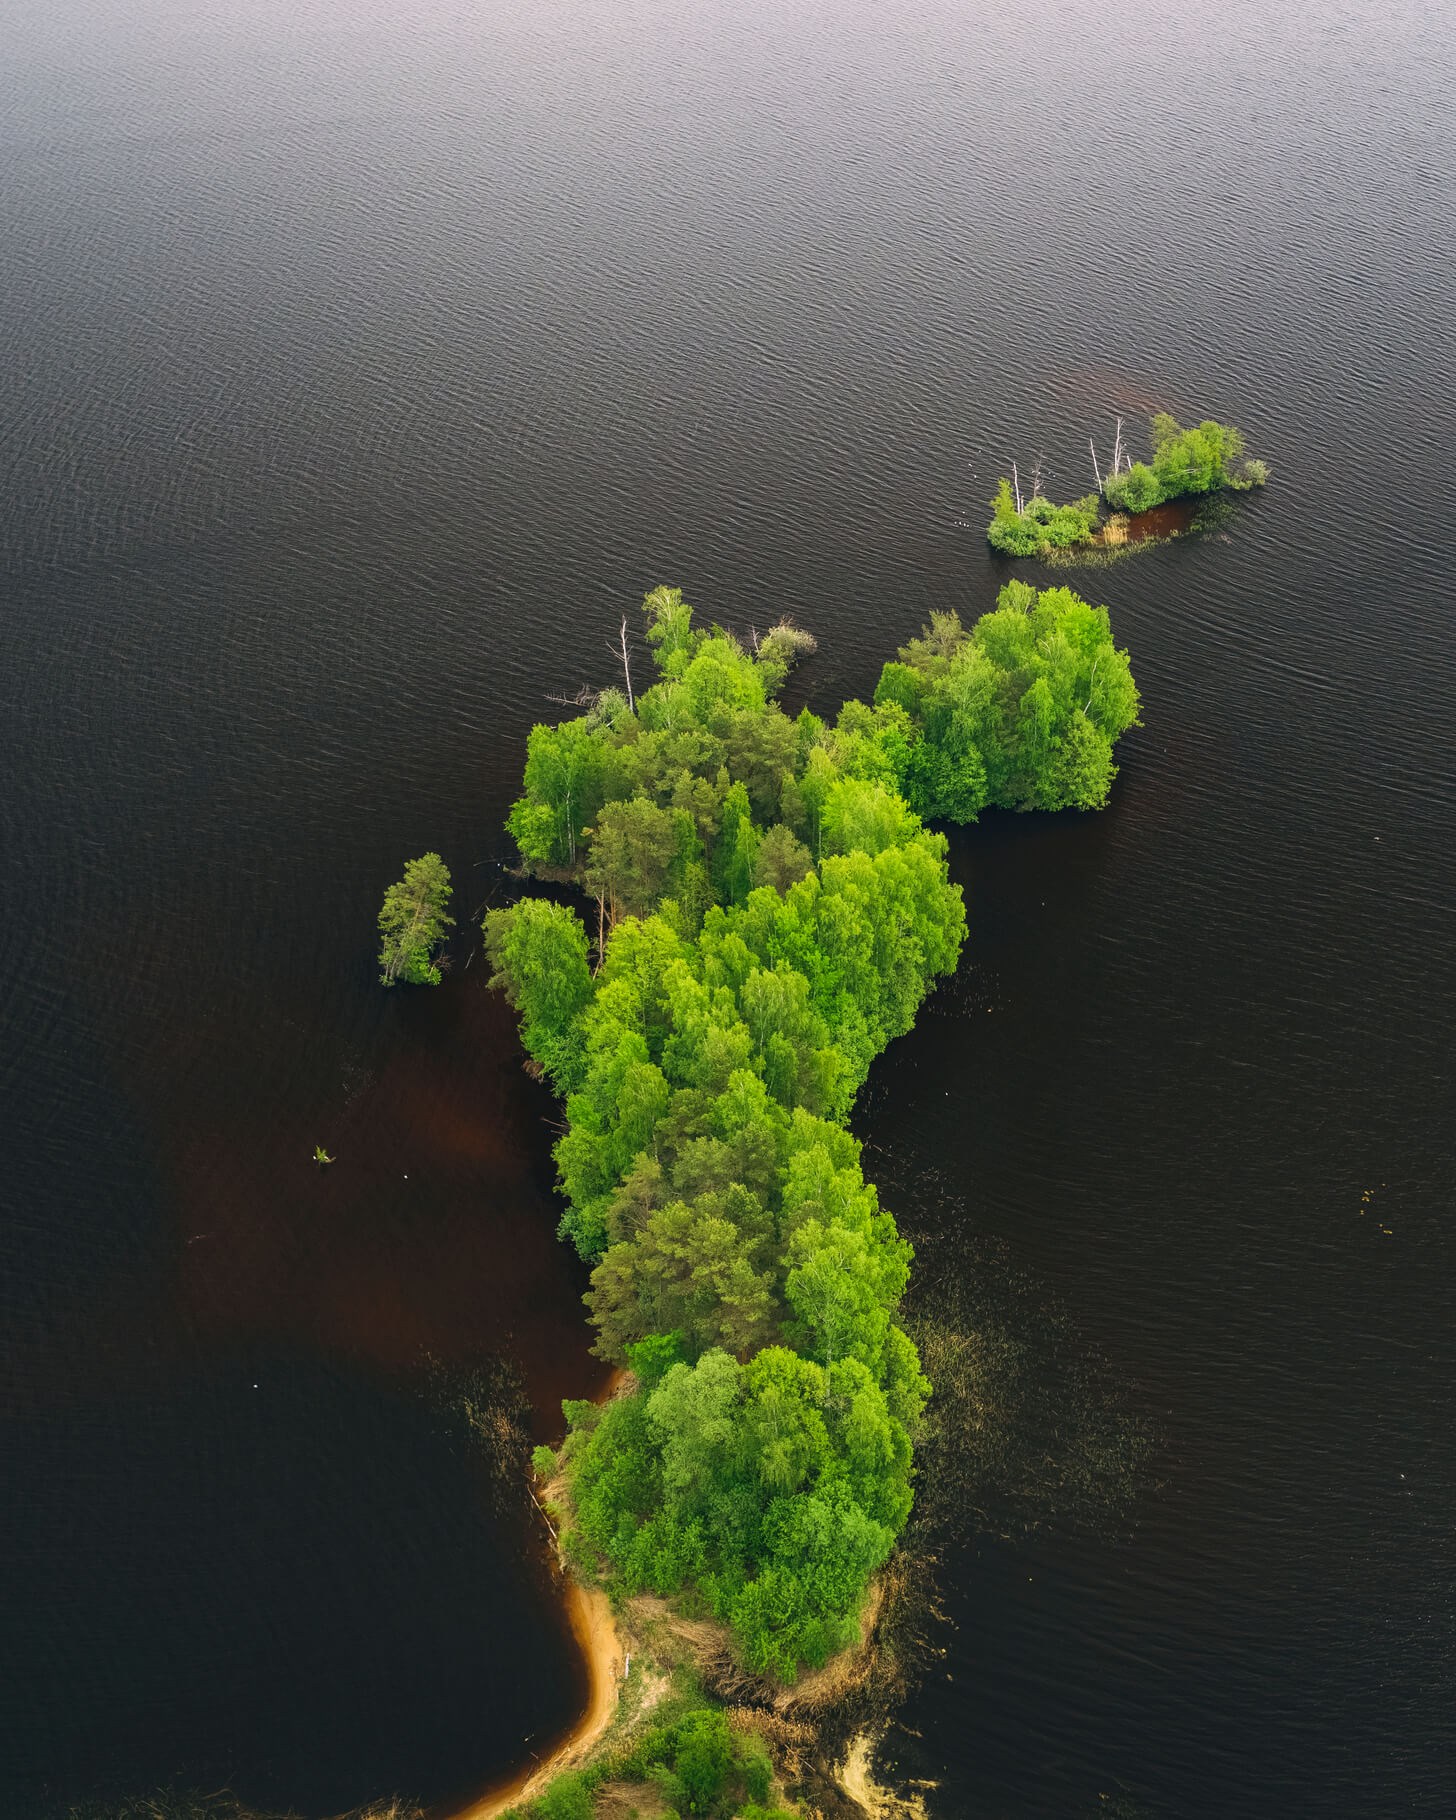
361,364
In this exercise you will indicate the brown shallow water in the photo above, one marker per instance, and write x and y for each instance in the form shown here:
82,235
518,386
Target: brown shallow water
431,1232
1171,519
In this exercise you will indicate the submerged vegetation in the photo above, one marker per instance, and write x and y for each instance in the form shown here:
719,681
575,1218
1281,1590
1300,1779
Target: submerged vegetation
771,911
1185,463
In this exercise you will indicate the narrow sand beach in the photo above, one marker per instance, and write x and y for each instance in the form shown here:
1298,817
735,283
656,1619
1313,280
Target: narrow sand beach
596,1632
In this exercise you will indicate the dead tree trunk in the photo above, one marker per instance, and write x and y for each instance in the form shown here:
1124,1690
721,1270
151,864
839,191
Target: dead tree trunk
1095,469
1016,482
627,666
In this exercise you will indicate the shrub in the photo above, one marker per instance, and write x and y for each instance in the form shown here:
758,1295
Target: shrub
704,1758
1040,525
1136,489
568,1798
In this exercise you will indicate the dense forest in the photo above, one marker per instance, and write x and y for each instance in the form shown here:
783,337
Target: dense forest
1204,459
770,910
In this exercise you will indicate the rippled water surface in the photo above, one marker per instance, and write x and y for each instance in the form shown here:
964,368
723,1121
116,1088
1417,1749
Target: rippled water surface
360,364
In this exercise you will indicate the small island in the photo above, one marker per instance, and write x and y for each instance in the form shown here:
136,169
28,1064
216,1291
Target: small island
770,911
1186,464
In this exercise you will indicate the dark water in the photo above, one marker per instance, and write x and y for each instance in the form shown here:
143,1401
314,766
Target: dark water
360,363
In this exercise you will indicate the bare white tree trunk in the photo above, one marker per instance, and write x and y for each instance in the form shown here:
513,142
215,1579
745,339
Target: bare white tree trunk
1016,482
1095,469
1117,451
627,666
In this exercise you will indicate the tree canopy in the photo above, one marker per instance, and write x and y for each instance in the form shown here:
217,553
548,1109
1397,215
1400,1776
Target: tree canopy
413,922
771,911
1021,712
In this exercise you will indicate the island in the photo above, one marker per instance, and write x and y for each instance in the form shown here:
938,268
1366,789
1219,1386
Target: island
769,909
1186,464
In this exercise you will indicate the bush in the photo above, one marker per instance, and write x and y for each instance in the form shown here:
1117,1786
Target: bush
755,1767
704,1758
1040,525
1136,489
568,1798
698,1761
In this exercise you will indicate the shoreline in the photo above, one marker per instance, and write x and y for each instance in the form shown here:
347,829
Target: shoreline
595,1630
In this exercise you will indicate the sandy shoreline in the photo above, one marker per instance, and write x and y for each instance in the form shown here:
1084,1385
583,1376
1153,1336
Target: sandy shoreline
596,1634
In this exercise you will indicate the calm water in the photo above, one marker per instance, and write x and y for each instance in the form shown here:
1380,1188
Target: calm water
360,364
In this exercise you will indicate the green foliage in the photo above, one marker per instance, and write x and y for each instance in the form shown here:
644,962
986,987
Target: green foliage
566,781
1135,489
543,1462
413,922
1022,711
701,1763
568,1798
773,912
1194,461
1200,460
650,1359
539,955
1040,525
704,1759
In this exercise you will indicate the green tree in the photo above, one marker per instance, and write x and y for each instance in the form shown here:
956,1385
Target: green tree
413,922
670,630
538,951
633,848
704,1758
781,860
566,777
690,1270
1024,713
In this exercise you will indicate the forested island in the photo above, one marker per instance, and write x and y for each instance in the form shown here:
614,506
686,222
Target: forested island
1186,464
769,909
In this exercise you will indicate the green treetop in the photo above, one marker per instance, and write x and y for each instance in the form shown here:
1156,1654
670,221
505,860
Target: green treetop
770,912
413,923
1022,711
